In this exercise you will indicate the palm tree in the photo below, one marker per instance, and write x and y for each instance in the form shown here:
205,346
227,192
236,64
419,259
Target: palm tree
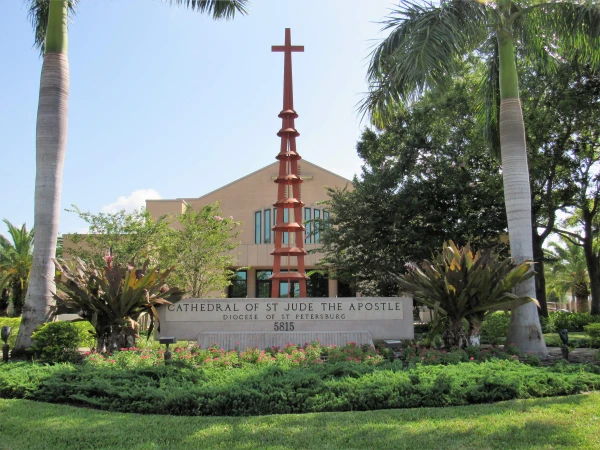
49,19
15,263
424,48
569,272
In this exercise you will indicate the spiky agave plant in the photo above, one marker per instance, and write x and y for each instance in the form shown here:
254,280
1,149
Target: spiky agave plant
112,298
460,284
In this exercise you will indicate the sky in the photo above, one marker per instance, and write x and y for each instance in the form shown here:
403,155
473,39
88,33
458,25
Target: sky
165,102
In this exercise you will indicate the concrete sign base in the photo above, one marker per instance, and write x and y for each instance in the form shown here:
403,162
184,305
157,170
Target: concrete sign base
241,341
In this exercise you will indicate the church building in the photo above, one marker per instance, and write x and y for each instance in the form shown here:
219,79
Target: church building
249,200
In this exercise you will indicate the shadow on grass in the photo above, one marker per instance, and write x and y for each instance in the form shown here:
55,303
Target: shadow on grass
556,422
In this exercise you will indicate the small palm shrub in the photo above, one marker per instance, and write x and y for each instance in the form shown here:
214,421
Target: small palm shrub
459,284
113,298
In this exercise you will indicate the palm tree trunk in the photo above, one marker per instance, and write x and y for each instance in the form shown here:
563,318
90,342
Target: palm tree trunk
51,141
524,330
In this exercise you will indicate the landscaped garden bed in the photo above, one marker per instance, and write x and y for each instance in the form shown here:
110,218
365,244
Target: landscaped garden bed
290,380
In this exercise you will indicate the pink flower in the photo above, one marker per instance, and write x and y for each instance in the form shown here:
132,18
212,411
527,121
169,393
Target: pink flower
472,358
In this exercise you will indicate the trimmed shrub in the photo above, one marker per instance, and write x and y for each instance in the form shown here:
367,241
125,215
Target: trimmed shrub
557,320
59,341
593,331
495,327
179,389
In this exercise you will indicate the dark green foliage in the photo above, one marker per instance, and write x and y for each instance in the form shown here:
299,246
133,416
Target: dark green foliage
275,390
423,183
495,327
112,298
59,341
461,284
593,331
557,320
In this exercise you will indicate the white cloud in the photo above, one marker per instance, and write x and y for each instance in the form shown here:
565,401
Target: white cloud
136,200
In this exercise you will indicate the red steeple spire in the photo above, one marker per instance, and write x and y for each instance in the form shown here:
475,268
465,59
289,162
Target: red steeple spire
288,205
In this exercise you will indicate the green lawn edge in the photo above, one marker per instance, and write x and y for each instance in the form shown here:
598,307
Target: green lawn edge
559,422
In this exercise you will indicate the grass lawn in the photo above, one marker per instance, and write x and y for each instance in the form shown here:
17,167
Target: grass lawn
560,422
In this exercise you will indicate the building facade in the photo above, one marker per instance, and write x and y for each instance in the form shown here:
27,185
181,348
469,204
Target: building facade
257,218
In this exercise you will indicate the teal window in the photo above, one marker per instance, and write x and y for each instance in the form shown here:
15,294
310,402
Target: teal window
267,233
307,221
257,216
286,218
317,217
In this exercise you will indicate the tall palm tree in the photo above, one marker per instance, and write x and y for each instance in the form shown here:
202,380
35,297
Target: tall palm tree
568,272
423,50
49,19
15,263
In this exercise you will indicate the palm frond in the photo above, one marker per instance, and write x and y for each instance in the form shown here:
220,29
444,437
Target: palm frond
561,28
422,49
220,9
38,15
488,109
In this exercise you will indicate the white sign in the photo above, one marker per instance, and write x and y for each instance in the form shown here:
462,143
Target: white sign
250,310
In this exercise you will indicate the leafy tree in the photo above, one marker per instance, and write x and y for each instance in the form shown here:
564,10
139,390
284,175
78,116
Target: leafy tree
583,226
49,19
424,48
199,247
124,235
568,272
559,109
15,263
461,285
196,243
424,182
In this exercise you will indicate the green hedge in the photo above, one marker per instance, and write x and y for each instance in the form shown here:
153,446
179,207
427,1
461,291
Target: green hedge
557,320
83,330
182,390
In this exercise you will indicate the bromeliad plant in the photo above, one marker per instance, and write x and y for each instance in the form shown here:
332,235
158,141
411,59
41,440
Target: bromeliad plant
113,298
459,284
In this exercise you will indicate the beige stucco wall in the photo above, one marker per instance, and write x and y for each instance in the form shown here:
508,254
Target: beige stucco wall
255,192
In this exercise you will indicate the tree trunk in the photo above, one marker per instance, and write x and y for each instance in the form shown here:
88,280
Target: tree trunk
540,276
524,330
475,330
454,334
593,265
51,141
582,293
18,298
117,339
594,272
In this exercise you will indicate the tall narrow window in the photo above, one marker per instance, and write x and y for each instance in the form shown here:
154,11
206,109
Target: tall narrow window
239,285
307,220
263,284
325,215
286,218
257,227
267,234
317,213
